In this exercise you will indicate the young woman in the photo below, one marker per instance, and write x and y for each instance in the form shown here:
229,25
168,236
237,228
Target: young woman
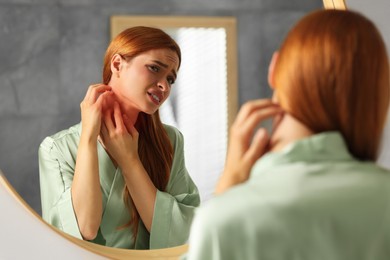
118,178
316,192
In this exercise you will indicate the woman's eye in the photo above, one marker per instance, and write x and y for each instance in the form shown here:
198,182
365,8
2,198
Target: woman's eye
171,81
154,68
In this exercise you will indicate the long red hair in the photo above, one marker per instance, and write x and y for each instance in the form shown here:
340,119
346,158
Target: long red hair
332,74
154,146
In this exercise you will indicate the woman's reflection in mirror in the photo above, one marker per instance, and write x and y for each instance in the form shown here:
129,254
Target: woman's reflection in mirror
118,178
310,189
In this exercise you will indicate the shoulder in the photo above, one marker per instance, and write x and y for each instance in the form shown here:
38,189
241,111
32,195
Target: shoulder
229,210
225,221
369,178
64,138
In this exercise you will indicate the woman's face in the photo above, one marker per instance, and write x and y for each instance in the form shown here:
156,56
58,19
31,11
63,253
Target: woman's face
144,82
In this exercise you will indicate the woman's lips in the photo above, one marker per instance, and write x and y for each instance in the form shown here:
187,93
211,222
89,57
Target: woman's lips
155,97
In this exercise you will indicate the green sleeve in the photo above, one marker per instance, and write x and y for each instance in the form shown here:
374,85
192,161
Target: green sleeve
174,208
56,177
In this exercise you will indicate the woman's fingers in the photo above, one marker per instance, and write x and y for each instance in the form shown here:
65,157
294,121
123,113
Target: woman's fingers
134,133
94,91
118,117
243,141
257,116
127,123
103,98
109,124
103,131
250,116
251,106
258,145
97,91
119,122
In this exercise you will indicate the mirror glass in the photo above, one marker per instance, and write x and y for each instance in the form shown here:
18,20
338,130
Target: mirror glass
204,98
377,12
203,101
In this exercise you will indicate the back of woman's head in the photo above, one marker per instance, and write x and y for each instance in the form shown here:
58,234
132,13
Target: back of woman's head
332,74
134,41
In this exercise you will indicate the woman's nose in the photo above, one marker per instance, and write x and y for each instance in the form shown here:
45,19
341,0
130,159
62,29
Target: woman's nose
163,85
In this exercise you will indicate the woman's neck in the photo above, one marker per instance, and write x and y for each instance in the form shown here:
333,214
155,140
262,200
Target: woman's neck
126,108
287,130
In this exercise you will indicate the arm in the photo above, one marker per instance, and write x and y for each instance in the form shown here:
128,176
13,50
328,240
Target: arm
141,188
86,192
243,151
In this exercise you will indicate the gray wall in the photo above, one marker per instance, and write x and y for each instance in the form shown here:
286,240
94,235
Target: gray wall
51,51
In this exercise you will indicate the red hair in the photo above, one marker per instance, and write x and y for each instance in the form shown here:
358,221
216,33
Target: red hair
332,74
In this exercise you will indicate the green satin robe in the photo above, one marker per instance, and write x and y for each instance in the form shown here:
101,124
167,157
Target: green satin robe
174,208
311,201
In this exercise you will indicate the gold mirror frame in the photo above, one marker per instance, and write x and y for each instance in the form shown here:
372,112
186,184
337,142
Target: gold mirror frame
335,4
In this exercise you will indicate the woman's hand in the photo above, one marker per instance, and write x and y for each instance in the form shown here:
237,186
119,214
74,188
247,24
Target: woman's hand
119,136
91,109
243,151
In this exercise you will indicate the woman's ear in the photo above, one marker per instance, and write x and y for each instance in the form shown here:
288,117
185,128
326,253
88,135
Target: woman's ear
116,64
271,69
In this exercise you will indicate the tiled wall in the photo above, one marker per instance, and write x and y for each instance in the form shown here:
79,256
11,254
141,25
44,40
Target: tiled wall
51,51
